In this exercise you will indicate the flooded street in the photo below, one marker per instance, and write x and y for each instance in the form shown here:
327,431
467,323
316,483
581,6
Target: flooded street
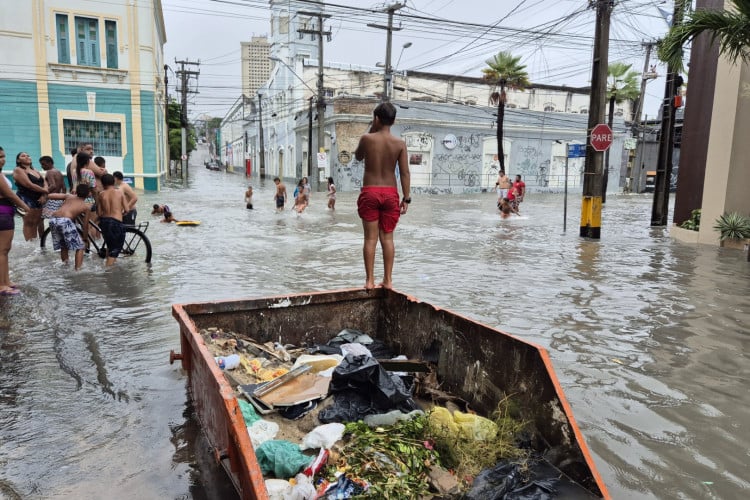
650,338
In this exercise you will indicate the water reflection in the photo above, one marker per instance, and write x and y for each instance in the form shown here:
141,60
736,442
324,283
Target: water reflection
649,337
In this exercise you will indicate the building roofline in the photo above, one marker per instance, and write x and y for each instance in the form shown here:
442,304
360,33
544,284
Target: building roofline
160,17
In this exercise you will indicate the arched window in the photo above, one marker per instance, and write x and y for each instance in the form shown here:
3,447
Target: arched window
549,107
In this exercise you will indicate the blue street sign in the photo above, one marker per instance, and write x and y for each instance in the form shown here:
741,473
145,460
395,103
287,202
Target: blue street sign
576,150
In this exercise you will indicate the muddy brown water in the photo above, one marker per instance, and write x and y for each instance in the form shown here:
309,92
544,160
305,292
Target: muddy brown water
649,337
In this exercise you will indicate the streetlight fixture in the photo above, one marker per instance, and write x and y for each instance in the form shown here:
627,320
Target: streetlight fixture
403,47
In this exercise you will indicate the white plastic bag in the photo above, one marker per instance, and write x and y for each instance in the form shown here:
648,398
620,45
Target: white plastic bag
323,436
262,431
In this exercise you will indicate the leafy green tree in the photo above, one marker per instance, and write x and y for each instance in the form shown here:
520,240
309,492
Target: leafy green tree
731,28
506,72
622,85
212,126
174,111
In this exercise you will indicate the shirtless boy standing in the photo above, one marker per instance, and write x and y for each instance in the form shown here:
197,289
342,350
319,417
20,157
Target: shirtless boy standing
378,204
111,207
502,185
130,199
65,236
280,195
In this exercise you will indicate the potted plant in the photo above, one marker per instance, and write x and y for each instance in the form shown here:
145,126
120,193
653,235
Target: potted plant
734,230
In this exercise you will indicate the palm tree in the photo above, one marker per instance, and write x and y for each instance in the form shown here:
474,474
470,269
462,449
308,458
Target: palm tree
507,72
622,85
731,28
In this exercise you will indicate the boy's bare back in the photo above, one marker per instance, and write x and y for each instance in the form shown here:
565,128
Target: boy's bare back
72,207
381,151
111,203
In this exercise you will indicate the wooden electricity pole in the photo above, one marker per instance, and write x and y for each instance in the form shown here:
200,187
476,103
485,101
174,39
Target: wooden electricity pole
320,103
388,76
660,207
591,205
184,76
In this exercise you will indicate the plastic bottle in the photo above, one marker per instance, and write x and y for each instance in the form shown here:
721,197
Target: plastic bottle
228,362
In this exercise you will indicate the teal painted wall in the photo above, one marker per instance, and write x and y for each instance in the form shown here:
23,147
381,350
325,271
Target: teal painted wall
19,121
73,98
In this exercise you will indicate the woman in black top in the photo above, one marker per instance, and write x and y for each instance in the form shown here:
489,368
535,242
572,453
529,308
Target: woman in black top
32,189
8,202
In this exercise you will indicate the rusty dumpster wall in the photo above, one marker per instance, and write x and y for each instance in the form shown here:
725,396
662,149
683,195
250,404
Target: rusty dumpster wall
475,362
482,366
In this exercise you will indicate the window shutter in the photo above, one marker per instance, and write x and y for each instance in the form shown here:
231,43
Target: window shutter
110,28
63,39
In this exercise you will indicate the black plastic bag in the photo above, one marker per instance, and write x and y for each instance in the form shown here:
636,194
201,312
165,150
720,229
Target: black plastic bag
505,481
362,387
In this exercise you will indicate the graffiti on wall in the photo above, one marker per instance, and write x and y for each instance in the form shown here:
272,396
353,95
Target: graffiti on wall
531,165
350,174
467,143
466,166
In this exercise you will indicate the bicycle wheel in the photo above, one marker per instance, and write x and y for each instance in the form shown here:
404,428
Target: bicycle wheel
136,244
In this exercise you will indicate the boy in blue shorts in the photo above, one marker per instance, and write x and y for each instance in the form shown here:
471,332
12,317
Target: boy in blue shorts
65,235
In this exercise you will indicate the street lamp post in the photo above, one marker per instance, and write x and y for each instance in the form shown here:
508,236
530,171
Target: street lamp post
260,136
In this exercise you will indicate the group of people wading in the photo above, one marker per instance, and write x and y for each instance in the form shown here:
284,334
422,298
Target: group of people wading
509,194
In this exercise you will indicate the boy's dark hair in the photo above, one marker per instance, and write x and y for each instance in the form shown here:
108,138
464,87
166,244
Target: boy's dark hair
73,151
99,161
44,159
276,179
83,190
108,180
386,112
156,206
117,175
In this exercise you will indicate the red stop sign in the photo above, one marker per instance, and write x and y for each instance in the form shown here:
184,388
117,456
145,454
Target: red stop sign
601,137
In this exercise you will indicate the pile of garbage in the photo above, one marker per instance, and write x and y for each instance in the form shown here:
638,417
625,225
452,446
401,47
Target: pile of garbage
349,418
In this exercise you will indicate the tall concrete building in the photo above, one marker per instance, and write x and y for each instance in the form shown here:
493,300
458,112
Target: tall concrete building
256,67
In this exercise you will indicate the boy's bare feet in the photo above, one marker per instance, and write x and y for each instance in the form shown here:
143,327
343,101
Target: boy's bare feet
370,285
387,285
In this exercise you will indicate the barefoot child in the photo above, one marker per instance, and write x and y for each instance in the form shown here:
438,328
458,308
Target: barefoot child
300,201
378,204
331,194
65,236
280,195
111,207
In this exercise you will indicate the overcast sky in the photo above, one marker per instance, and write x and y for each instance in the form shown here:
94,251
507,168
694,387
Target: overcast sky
553,37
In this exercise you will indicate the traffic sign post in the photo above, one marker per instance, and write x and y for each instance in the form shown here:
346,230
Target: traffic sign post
601,137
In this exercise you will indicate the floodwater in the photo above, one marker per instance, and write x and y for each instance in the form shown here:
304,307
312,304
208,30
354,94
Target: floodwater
649,337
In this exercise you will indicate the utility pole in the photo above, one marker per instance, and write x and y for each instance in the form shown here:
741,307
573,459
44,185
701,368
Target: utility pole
184,76
637,128
166,116
321,103
591,205
388,76
660,208
260,136
309,136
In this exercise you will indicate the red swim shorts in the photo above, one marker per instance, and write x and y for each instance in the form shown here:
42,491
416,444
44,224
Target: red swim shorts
380,203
